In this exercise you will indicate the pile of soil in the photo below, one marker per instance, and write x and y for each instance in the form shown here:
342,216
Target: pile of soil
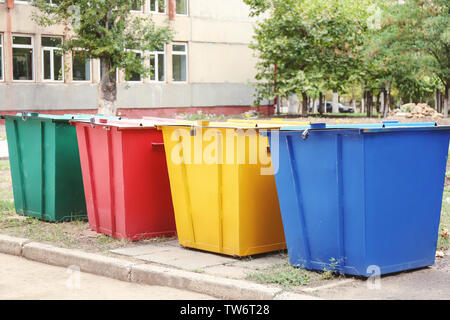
417,111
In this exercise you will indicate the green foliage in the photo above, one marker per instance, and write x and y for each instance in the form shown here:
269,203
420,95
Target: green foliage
107,30
310,46
410,50
314,45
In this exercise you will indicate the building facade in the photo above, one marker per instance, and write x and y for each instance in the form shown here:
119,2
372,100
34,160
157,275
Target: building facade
207,67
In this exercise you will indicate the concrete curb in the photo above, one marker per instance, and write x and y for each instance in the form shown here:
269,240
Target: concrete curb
11,245
87,262
218,287
119,269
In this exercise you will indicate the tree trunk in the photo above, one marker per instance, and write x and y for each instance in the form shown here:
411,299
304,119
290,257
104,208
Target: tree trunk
315,104
369,103
335,102
378,104
436,100
107,89
387,102
293,104
383,101
363,101
278,104
320,103
304,104
446,100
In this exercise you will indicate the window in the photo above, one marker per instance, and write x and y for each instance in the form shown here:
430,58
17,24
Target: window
157,63
22,50
52,59
182,7
137,5
1,57
158,6
81,66
179,65
133,76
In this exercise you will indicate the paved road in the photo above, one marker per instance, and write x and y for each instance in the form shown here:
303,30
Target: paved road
24,279
432,283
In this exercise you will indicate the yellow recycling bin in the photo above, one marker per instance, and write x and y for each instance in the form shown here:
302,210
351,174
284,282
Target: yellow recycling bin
223,188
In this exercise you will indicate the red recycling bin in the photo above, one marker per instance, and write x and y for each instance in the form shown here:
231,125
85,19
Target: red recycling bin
125,178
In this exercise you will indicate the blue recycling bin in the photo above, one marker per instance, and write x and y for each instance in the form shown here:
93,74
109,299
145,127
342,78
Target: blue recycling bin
361,199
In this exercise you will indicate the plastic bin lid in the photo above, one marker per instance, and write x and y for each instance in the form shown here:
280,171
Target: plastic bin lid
120,123
231,125
361,126
35,115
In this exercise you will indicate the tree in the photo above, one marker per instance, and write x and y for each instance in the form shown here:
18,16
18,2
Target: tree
314,45
106,30
416,37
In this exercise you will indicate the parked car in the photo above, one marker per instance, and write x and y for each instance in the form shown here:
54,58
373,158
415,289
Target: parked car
342,108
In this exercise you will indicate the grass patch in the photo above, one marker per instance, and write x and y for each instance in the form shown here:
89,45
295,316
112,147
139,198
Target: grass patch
4,165
444,228
6,205
282,274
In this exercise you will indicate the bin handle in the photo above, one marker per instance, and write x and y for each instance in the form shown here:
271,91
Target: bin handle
305,134
157,145
25,116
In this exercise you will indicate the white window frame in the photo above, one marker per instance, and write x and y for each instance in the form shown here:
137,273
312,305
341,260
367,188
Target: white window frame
2,56
187,10
156,71
24,46
142,7
179,53
157,7
90,69
52,65
22,2
125,71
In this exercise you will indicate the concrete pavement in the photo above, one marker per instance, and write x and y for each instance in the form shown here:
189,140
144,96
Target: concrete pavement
431,283
24,279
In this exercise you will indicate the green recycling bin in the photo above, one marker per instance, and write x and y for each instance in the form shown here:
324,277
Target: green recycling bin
45,166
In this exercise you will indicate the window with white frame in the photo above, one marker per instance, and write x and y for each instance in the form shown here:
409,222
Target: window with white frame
158,6
179,62
157,64
81,66
181,7
22,54
52,59
131,75
137,5
1,58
